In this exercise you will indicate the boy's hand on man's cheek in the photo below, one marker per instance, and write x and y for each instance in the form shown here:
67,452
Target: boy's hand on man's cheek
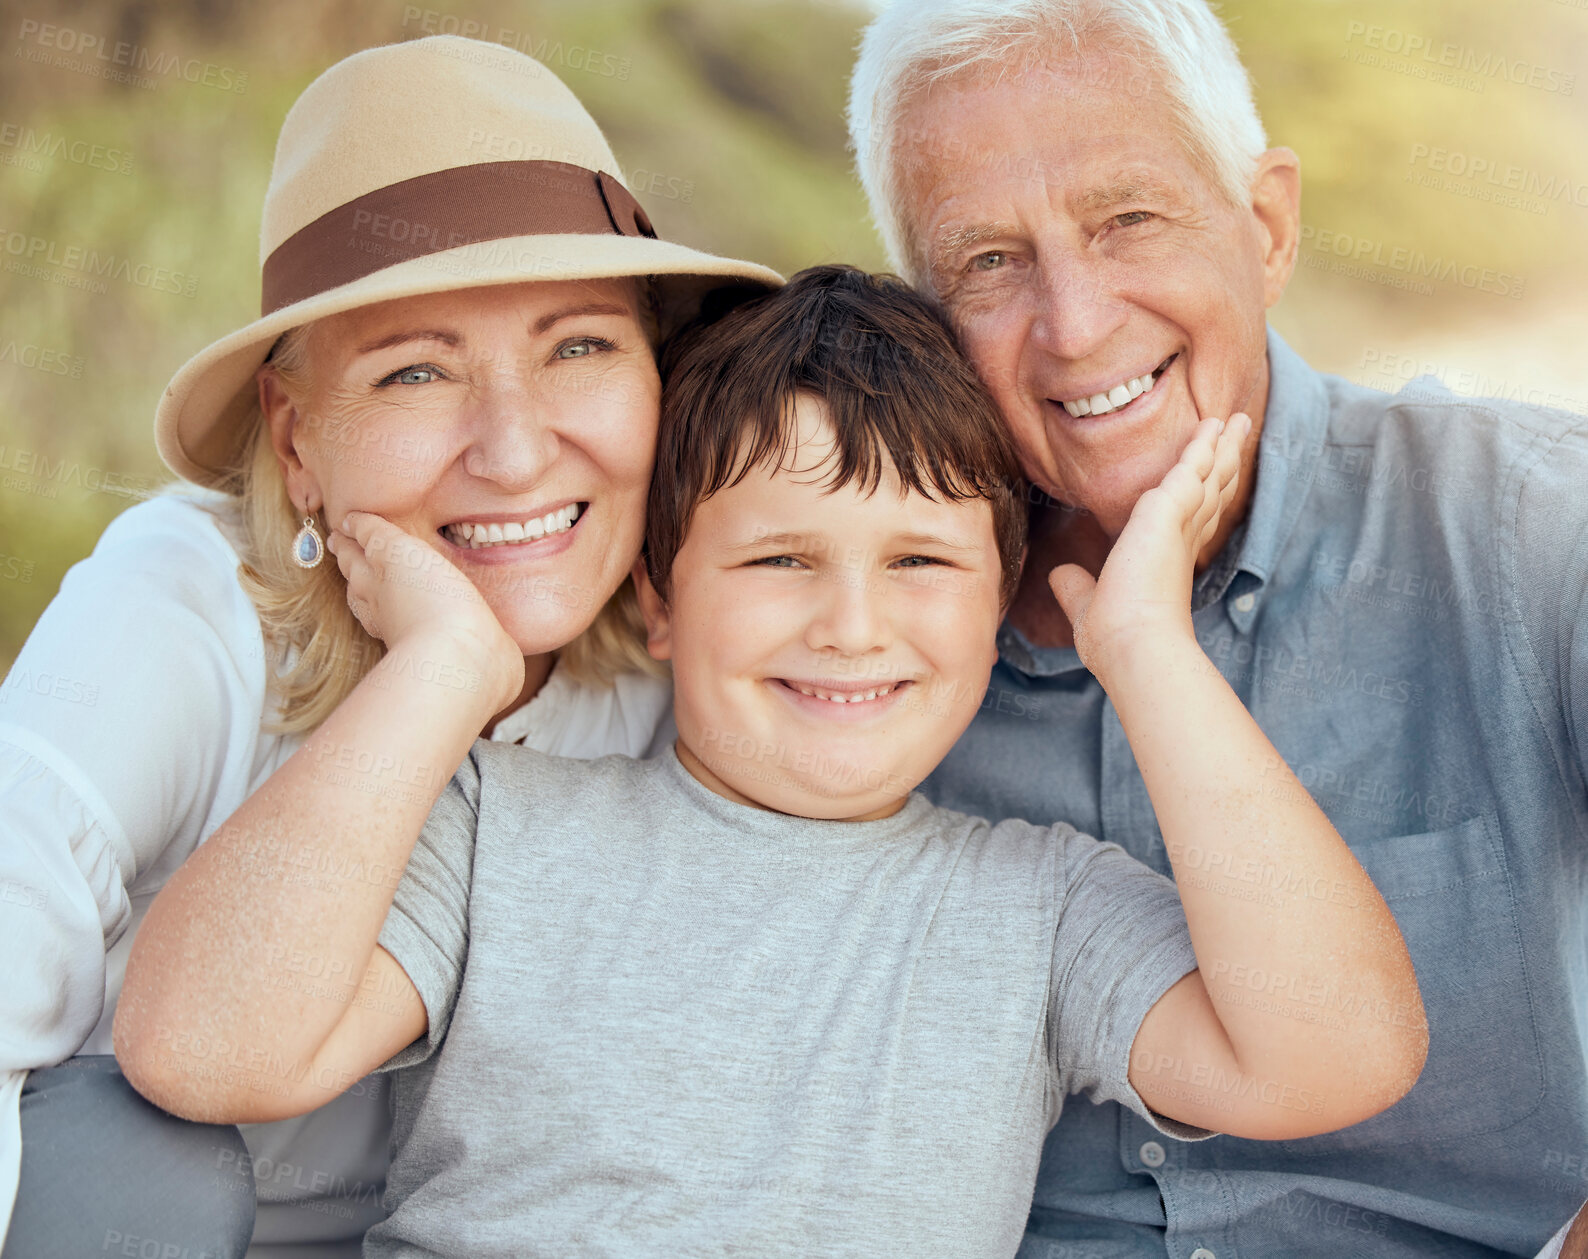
1142,598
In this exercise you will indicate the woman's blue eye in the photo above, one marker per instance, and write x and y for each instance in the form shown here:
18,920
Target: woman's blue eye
584,347
1132,218
413,376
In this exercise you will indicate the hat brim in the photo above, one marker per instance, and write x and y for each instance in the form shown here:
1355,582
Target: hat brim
200,423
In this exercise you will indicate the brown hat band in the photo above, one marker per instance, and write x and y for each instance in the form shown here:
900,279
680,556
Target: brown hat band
445,210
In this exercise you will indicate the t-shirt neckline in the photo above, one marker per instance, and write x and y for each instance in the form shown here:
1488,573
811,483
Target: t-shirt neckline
788,829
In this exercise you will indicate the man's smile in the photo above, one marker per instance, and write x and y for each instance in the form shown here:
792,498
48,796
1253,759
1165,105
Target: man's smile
1122,394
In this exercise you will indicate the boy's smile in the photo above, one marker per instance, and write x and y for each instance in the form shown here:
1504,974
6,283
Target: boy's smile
828,645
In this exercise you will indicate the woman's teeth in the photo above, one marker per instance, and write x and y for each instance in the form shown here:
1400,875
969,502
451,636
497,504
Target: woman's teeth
472,536
844,697
1118,396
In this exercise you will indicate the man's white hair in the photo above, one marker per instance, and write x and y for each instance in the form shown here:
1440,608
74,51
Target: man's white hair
1180,46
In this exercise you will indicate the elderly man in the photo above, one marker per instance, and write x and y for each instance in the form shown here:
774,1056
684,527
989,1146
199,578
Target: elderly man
1401,599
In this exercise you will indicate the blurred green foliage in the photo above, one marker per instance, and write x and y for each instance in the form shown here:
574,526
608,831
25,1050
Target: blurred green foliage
727,114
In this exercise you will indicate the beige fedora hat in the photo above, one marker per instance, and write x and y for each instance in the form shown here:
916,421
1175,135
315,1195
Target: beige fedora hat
422,167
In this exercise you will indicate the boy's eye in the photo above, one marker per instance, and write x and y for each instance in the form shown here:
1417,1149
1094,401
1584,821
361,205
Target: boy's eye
775,561
582,347
419,374
918,561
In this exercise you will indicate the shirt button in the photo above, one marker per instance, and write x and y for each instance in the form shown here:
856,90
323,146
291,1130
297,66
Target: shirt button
1202,1252
1152,1154
1245,603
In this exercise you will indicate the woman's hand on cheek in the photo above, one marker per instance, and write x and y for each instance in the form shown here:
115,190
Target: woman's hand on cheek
405,592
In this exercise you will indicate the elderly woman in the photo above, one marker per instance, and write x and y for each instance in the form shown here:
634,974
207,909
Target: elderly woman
465,347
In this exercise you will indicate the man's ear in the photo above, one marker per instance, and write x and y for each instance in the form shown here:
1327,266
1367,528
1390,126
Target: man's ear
1004,603
658,621
282,415
1276,205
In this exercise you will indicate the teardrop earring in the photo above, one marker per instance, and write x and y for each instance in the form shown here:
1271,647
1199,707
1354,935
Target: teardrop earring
308,548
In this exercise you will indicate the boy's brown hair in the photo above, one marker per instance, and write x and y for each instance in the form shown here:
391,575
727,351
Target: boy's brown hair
895,385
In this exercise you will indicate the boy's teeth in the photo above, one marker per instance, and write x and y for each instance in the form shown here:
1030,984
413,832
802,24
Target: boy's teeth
1118,396
473,536
842,697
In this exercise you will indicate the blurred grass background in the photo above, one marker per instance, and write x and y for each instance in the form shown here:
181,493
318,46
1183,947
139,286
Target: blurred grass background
727,114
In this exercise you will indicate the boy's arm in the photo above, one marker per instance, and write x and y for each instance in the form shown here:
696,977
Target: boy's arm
216,1021
1234,817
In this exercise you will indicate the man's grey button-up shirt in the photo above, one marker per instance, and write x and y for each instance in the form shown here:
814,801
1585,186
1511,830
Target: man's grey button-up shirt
1405,612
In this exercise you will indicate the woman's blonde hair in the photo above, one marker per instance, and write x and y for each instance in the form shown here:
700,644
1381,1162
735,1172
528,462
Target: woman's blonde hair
319,650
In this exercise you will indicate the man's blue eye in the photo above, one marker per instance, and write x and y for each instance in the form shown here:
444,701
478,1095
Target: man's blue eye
989,261
1132,218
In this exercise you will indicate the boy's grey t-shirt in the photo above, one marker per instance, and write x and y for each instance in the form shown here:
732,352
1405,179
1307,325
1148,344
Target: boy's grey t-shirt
662,1023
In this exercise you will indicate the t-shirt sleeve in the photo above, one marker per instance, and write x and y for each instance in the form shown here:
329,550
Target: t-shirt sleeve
427,929
1120,944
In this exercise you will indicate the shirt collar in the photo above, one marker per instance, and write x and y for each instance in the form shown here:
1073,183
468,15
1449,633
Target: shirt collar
1295,427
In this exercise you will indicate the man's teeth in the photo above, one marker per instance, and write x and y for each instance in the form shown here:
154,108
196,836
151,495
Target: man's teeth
1118,396
843,697
472,536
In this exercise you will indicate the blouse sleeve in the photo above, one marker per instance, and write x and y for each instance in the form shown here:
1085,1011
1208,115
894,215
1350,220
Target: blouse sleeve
129,727
142,685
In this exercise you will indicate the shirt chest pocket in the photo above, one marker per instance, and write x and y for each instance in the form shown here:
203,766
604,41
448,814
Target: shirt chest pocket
1451,893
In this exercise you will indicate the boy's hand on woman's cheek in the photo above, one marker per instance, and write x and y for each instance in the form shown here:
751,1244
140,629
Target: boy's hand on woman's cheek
405,592
1142,599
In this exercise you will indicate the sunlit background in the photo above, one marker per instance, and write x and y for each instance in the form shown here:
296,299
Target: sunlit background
1443,144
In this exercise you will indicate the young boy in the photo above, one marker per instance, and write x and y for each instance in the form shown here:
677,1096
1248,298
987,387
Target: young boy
756,997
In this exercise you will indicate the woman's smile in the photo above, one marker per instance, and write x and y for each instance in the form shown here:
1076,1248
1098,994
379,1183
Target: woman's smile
498,538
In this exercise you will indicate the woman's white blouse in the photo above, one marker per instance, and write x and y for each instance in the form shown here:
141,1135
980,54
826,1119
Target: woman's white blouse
130,728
